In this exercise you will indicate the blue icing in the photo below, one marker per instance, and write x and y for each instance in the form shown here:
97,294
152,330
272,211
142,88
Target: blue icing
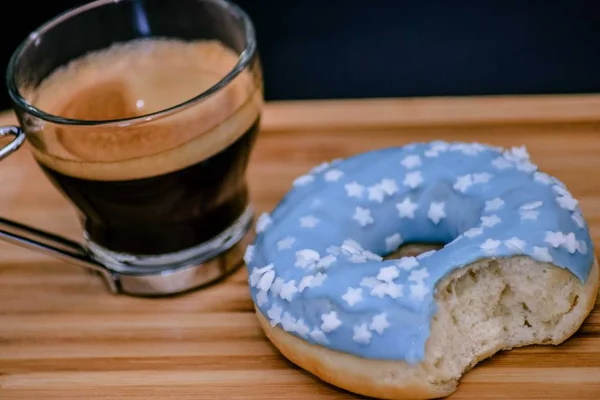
316,267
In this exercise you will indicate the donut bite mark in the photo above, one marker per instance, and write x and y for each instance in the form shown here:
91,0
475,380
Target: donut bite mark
517,268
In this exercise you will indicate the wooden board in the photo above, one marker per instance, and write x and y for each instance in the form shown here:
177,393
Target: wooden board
63,336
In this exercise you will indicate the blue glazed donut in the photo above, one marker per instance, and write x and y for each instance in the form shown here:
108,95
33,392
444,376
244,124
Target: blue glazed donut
317,267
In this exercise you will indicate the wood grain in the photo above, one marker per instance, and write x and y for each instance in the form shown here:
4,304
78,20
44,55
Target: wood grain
63,336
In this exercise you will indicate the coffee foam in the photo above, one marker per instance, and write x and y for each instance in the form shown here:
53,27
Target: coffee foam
162,73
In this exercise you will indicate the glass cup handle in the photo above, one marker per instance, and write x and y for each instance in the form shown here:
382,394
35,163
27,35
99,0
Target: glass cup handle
45,242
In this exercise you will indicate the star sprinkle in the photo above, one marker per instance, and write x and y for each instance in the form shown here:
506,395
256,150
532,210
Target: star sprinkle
490,221
413,179
482,177
303,180
288,323
526,166
578,219
393,242
529,215
515,243
418,275
406,209
436,212
389,186
326,261
318,336
501,163
353,189
362,334
387,289
330,322
285,243
369,282
494,204
379,323
582,247
431,154
274,314
542,178
542,254
471,233
262,298
257,273
567,202
490,246
411,161
376,193
570,243
362,216
554,239
320,168
463,183
288,290
388,274
333,175
418,291
309,221
276,286
249,254
407,263
266,280
307,258
318,279
305,282
531,206
352,296
301,328
263,221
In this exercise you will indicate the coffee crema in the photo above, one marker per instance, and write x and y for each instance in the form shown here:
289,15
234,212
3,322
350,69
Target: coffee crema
158,186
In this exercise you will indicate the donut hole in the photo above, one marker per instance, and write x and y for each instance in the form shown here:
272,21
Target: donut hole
412,250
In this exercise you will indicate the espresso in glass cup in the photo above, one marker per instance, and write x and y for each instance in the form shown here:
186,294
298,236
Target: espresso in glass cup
144,115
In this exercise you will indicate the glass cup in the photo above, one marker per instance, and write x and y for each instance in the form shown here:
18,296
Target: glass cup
143,113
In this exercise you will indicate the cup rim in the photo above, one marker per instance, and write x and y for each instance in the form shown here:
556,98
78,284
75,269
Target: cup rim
244,60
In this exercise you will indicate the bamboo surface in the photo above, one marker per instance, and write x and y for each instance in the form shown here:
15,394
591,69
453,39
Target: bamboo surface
63,336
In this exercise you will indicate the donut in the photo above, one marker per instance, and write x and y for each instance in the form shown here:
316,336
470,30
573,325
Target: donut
513,265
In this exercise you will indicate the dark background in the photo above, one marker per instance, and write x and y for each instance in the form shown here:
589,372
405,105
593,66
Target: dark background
340,49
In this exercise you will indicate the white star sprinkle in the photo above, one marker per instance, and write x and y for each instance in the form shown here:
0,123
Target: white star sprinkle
285,243
418,291
431,153
362,216
463,183
393,242
320,168
418,275
567,202
303,180
262,298
387,288
570,242
407,263
305,282
307,258
490,221
531,206
406,209
318,279
482,177
326,261
494,204
471,233
440,146
249,254
276,286
257,273
515,243
490,246
352,296
388,274
318,336
411,161
529,215
501,163
554,239
263,221
362,334
370,282
542,178
288,323
274,314
518,153
542,254
330,322
288,290
379,323
353,189
578,218
413,179
376,193
301,328
526,166
333,175
561,190
582,247
266,280
309,221
389,186
436,212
